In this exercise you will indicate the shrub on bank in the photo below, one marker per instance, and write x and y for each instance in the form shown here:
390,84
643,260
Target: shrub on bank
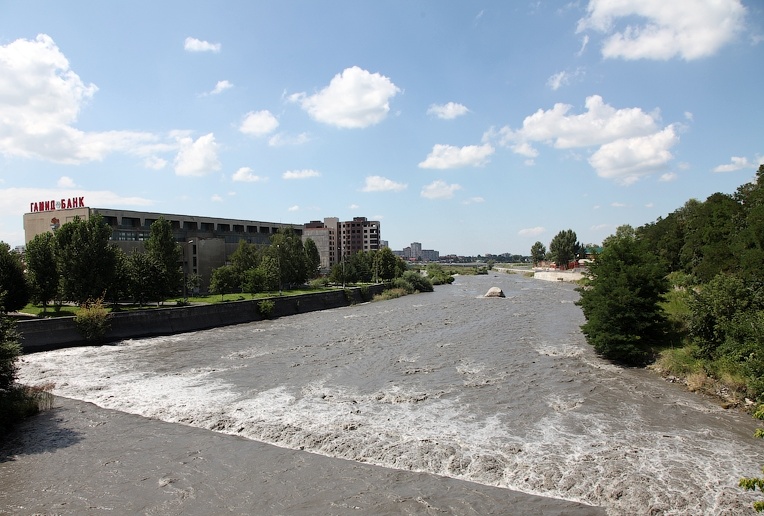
92,320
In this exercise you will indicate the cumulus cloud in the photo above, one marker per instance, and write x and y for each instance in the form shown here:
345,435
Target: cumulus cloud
294,208
247,175
216,198
656,29
353,99
41,100
628,159
258,123
197,45
449,156
447,111
736,163
668,177
301,174
474,200
538,230
439,190
197,157
382,184
631,142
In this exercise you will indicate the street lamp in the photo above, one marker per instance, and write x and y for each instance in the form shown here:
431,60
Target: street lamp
185,272
278,261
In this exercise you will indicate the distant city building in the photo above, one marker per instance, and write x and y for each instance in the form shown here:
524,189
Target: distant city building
335,239
415,253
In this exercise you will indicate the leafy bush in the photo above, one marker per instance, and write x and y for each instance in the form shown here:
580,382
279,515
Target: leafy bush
265,307
92,320
319,283
418,282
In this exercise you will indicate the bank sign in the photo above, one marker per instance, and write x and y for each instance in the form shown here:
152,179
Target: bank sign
61,204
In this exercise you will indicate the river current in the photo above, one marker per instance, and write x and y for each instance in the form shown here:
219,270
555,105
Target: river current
498,391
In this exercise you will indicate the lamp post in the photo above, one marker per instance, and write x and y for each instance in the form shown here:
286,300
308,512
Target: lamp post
185,272
278,261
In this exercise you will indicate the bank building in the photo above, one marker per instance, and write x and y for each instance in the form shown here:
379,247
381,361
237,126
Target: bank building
206,242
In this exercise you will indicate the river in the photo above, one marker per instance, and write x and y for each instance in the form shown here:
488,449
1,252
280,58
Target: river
498,391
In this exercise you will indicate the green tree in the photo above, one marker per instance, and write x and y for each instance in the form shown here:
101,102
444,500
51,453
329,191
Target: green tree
621,302
286,246
14,291
145,278
313,258
41,268
385,264
86,261
165,251
538,252
245,257
563,247
224,281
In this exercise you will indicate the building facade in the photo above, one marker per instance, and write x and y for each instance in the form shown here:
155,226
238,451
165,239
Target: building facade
335,239
206,242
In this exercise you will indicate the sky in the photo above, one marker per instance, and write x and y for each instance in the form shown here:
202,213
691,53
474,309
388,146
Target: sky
473,128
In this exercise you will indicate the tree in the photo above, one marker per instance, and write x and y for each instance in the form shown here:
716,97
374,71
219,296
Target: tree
224,280
538,252
563,247
14,292
621,302
146,277
245,257
41,268
385,264
286,246
312,257
85,260
165,251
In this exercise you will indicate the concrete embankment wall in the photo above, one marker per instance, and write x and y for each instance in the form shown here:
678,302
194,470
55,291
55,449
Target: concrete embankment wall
45,334
558,275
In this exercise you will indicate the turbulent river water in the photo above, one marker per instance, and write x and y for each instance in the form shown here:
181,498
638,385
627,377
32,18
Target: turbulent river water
498,391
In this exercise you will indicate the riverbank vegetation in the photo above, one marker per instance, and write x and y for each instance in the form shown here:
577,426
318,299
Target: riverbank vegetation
685,294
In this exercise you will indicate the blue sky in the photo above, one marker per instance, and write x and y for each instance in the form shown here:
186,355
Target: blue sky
471,127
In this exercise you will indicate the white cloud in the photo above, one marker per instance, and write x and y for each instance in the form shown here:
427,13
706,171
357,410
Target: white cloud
154,163
281,139
66,182
216,198
617,205
197,45
247,175
563,78
354,99
354,207
631,142
628,159
439,190
736,163
220,87
301,174
474,200
668,177
294,208
657,29
258,123
447,111
382,184
538,230
449,156
41,100
197,157
600,123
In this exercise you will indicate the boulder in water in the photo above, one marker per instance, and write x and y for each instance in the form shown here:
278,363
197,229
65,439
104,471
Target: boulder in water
494,292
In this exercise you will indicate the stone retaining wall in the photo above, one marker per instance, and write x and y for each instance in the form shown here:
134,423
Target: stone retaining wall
45,334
